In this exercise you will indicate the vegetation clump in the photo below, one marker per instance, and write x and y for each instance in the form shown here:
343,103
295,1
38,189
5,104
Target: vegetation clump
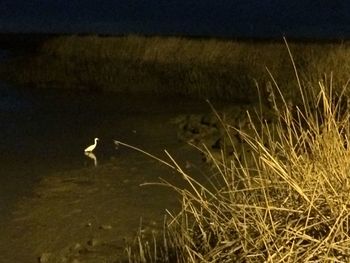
291,204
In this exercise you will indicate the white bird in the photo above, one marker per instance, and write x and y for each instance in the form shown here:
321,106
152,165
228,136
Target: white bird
91,147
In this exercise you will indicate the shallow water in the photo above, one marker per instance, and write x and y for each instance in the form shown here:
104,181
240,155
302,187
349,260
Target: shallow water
48,184
43,134
45,131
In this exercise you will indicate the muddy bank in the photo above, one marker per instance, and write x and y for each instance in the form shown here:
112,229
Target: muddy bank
89,214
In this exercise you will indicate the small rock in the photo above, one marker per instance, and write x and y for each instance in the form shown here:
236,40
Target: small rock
44,258
105,227
93,242
77,247
209,120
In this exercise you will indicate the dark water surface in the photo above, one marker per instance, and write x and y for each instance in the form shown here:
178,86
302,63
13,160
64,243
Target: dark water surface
45,131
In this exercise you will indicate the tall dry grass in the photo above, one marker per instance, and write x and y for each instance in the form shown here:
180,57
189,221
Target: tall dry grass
208,68
290,204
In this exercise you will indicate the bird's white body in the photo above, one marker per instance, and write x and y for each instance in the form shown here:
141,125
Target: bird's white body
91,147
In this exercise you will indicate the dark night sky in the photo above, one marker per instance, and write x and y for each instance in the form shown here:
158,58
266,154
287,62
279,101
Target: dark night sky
322,18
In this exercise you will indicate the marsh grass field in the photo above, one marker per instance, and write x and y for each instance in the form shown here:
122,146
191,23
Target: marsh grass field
207,68
285,200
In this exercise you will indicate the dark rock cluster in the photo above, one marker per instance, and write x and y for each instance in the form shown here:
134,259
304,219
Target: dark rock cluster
222,134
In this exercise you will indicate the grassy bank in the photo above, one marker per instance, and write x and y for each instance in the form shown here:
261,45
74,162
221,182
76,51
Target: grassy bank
286,200
208,68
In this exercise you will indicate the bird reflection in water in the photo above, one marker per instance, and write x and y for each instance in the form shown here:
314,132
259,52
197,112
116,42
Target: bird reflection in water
92,156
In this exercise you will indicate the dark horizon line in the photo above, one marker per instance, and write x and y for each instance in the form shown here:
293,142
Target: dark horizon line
13,40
